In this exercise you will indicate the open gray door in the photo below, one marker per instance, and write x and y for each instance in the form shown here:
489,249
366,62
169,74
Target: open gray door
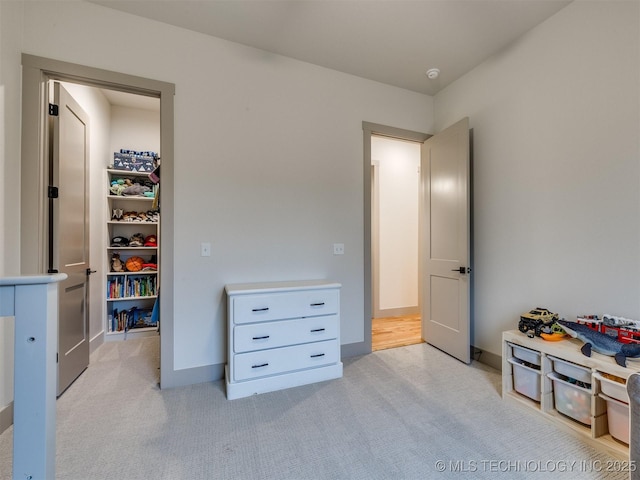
445,241
69,231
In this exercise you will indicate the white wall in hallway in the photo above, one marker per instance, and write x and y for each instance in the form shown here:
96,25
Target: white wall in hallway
398,182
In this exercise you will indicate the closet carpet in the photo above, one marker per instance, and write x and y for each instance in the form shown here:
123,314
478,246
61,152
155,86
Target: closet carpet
411,412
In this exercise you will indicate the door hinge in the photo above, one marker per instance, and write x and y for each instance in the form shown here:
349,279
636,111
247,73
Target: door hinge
53,109
52,192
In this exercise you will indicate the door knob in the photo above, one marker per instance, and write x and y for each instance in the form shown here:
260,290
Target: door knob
462,270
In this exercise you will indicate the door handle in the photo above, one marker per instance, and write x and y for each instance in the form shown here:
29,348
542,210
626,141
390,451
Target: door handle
462,270
89,271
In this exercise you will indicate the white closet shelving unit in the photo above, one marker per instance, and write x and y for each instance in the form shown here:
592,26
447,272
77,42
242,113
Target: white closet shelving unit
131,292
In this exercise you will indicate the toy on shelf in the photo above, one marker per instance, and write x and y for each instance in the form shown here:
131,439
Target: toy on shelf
594,322
600,342
557,334
131,187
116,264
624,329
537,321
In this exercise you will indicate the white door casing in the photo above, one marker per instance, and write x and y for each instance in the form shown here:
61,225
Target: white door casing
445,240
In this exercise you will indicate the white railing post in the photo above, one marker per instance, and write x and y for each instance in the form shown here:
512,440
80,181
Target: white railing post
33,301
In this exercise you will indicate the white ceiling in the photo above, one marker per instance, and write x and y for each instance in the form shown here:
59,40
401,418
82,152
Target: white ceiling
389,41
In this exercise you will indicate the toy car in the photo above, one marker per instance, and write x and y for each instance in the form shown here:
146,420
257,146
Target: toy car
537,321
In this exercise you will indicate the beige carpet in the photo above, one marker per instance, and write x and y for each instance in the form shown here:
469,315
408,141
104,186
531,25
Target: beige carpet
411,412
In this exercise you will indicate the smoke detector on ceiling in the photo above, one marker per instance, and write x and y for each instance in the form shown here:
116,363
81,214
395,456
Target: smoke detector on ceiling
433,73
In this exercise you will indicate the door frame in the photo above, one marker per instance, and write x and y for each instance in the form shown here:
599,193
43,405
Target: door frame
384,131
36,72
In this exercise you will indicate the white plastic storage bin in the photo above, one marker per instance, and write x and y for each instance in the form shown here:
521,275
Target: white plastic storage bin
571,399
571,370
525,354
618,418
526,380
613,389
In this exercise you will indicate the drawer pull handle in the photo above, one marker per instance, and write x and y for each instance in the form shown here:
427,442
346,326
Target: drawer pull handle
317,330
317,355
264,337
319,304
260,309
259,366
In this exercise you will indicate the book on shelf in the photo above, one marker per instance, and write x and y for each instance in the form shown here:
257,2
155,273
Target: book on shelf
122,286
132,318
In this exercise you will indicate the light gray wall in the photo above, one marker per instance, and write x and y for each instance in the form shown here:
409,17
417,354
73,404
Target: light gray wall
135,129
268,156
556,122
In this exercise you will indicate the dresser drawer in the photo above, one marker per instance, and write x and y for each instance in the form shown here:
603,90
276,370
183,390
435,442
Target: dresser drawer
259,336
279,360
285,305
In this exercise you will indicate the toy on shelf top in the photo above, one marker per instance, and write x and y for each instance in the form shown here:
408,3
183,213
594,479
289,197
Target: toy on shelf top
135,161
537,321
612,320
600,342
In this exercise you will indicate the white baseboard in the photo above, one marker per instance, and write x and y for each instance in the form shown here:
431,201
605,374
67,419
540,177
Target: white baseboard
96,341
397,312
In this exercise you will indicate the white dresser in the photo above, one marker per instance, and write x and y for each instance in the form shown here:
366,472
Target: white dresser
281,335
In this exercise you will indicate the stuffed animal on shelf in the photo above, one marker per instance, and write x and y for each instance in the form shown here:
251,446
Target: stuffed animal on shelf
116,263
117,186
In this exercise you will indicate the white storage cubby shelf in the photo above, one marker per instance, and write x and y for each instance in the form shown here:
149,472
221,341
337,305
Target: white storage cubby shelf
128,291
533,367
281,335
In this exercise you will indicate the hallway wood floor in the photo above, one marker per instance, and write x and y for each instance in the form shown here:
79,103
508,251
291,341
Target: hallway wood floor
394,332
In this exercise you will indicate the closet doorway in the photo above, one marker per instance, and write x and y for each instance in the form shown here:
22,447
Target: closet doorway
37,74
